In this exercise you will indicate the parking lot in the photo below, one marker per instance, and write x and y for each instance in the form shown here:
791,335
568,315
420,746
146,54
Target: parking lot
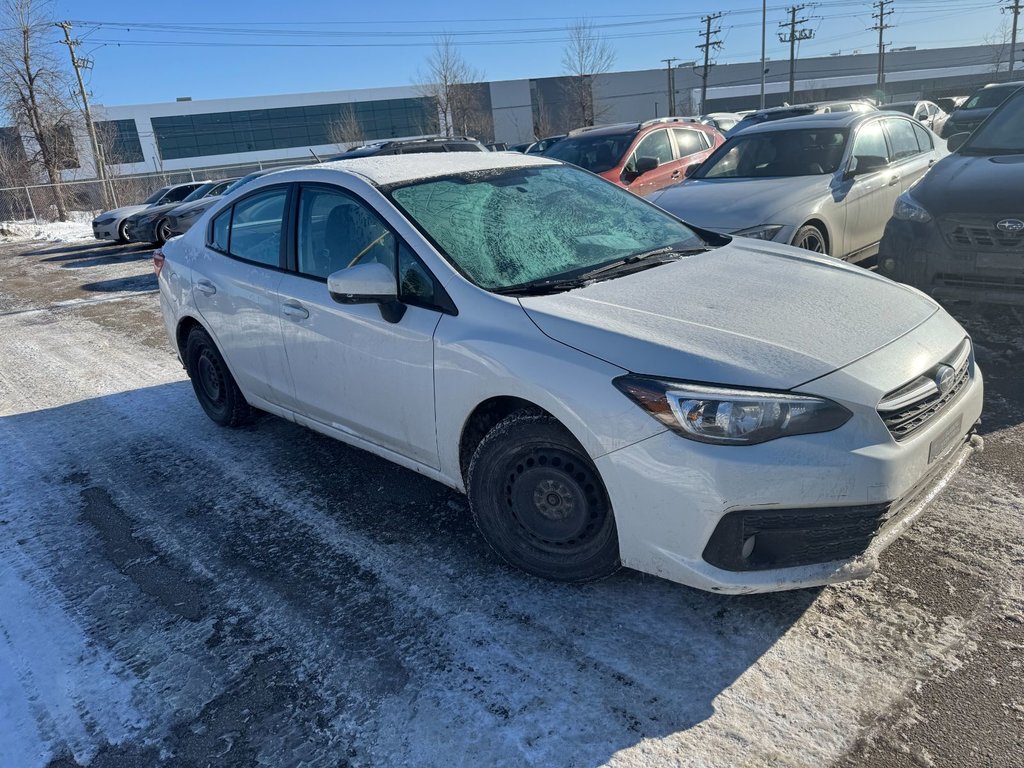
172,593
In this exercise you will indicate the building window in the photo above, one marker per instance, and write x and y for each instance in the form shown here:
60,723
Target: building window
119,141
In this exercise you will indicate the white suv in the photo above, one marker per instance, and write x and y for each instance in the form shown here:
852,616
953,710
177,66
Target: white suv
608,385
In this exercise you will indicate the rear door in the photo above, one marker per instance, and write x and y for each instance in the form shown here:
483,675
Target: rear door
910,158
234,284
656,144
693,147
870,196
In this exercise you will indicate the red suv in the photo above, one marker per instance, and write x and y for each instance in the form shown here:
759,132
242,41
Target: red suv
642,157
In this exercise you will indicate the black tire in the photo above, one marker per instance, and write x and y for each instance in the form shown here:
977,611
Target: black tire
122,232
810,238
540,503
161,232
213,383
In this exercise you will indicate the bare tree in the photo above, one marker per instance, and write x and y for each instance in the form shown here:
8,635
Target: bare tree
346,131
585,55
34,90
998,41
449,80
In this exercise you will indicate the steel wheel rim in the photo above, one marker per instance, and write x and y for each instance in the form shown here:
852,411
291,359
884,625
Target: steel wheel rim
211,381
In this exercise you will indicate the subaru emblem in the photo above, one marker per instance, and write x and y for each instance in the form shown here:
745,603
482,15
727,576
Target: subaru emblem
944,376
1012,226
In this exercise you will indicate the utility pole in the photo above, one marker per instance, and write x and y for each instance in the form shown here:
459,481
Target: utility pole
79,65
764,44
671,86
707,46
1013,8
793,37
884,12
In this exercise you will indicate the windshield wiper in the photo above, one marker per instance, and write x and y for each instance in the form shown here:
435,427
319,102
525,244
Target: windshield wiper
636,258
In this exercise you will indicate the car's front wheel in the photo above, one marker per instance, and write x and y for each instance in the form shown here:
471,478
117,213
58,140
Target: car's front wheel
539,501
122,232
810,238
213,383
162,231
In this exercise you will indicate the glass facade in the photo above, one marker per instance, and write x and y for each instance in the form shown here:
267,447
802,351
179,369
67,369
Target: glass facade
119,141
251,130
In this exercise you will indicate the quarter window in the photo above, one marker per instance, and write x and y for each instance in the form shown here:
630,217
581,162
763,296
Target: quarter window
256,227
904,139
219,231
337,231
924,139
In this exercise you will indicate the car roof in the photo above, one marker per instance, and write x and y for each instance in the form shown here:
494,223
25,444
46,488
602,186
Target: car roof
1013,84
384,170
817,120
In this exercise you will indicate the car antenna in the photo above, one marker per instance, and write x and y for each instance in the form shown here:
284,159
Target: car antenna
314,156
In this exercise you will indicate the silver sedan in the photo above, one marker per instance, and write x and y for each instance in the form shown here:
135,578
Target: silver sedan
826,183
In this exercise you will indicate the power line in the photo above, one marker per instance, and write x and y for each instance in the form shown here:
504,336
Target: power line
707,46
793,37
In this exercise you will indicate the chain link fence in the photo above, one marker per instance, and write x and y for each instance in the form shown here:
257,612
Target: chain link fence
40,202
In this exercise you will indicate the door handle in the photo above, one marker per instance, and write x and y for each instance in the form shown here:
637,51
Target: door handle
297,311
676,174
894,180
205,286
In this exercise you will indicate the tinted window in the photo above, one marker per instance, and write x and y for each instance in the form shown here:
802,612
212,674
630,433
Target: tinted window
1002,134
870,143
198,192
256,227
804,152
903,138
689,141
337,231
906,108
220,187
519,225
987,98
219,231
656,145
416,285
595,153
155,196
178,194
924,139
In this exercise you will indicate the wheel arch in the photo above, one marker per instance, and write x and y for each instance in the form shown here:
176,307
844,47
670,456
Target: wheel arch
822,226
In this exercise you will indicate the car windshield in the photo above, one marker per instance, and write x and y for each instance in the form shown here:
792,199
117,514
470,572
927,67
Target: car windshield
796,152
987,98
155,196
198,192
595,153
244,180
515,226
1003,133
177,194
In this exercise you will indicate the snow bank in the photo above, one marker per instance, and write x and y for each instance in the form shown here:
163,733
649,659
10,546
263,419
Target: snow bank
77,227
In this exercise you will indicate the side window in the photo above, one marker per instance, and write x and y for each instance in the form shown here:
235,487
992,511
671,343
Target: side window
689,141
219,231
869,148
337,231
256,227
903,138
415,283
924,139
655,144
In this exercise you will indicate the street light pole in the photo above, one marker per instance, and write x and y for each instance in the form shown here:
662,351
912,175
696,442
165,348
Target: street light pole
764,37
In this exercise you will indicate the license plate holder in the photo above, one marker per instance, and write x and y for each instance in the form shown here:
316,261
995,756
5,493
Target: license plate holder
941,444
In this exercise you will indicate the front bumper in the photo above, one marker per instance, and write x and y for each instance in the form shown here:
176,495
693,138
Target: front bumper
671,495
918,255
105,231
141,231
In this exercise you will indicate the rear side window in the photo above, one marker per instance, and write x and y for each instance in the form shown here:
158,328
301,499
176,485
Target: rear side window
689,141
924,139
256,227
219,231
903,138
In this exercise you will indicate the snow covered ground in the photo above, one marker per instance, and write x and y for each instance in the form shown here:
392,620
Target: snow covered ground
78,227
176,594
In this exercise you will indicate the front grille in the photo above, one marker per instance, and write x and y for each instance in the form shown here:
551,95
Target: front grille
904,418
980,234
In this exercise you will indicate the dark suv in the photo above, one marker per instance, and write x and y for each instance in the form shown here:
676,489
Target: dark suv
414,146
800,110
979,106
959,232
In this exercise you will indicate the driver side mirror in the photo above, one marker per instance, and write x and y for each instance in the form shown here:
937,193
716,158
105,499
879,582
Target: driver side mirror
957,140
645,164
370,283
864,164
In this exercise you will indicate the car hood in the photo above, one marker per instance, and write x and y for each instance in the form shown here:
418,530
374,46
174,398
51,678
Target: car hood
973,184
201,205
120,213
729,205
745,314
155,210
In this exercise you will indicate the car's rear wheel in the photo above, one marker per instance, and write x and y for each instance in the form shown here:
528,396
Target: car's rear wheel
213,383
162,231
122,232
539,501
810,238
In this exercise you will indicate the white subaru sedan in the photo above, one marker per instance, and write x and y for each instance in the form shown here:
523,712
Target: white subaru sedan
608,385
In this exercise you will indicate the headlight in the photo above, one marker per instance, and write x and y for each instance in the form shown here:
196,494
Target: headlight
725,416
908,209
763,232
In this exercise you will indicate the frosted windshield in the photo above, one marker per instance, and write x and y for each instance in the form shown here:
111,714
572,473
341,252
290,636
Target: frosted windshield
516,226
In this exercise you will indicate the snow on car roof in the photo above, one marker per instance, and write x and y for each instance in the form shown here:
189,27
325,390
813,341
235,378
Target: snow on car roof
383,170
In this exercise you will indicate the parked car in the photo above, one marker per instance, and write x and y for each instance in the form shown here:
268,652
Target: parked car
152,225
608,385
541,146
642,157
979,106
497,146
925,112
800,110
723,121
521,148
112,225
414,146
959,233
184,216
824,182
949,103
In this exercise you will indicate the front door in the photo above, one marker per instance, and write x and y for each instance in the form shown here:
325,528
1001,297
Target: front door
658,145
354,370
871,195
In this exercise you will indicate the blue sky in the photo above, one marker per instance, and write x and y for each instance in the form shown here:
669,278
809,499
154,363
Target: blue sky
317,45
